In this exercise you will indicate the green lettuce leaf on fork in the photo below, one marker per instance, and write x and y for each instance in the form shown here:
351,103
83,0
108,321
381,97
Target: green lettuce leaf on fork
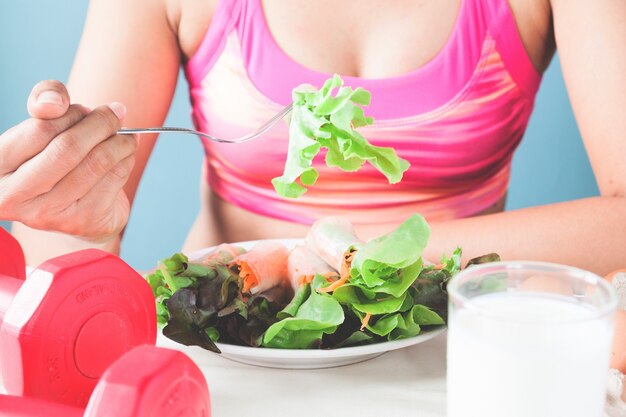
323,119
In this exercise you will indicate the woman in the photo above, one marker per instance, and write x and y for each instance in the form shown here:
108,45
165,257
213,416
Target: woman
453,83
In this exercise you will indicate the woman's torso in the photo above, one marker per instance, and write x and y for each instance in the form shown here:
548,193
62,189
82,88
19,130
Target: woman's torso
349,41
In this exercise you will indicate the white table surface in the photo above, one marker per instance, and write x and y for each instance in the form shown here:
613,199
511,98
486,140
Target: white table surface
406,382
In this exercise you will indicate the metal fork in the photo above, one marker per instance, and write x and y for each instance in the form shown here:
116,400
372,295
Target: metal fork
260,131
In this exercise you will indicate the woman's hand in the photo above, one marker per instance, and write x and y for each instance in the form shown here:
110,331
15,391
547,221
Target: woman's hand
63,170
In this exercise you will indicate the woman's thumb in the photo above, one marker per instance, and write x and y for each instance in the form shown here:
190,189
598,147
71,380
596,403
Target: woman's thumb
48,100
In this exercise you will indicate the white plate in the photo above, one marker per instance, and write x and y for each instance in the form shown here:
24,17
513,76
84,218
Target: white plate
309,358
317,358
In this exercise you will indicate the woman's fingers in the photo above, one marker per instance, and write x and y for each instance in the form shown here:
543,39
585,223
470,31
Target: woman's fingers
68,149
65,168
22,142
101,213
48,100
107,194
96,165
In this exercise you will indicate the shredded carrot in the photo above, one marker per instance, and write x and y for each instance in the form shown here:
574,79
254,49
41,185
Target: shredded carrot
305,279
366,320
343,277
347,262
439,266
345,271
334,285
249,279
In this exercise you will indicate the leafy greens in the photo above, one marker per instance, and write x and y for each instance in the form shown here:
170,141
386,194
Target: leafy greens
321,119
207,305
389,294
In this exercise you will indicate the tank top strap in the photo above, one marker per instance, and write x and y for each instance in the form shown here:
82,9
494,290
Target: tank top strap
225,19
502,26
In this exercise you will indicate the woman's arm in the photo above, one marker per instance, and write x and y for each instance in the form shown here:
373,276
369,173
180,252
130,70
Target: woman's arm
129,53
589,233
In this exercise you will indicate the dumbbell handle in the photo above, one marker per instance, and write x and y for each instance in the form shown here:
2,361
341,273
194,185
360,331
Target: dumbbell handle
12,270
8,288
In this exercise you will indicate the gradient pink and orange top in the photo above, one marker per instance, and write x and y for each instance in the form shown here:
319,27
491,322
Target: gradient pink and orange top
456,119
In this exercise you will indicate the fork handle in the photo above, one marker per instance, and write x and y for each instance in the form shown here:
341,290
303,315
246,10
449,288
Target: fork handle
130,131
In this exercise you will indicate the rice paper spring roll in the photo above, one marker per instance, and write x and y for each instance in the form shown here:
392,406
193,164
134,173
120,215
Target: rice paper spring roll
303,263
222,254
333,239
263,267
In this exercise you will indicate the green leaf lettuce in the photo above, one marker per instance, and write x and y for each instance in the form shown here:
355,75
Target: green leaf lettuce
321,119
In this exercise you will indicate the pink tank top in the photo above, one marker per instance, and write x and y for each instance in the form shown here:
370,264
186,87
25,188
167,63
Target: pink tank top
457,120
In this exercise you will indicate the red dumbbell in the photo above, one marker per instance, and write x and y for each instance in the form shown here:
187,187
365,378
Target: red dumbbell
68,321
147,381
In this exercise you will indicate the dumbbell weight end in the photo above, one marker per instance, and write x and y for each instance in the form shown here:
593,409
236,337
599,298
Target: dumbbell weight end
66,323
145,382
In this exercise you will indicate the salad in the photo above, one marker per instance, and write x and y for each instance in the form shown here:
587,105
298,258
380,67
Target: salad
327,119
332,290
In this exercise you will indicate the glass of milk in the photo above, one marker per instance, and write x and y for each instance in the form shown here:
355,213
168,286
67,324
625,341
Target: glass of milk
528,339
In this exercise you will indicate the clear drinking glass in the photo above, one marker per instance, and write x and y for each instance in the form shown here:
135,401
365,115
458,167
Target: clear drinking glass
528,339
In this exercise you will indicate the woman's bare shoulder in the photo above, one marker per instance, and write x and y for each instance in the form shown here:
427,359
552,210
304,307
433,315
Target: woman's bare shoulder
190,20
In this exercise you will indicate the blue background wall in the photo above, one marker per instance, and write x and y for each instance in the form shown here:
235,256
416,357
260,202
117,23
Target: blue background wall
38,39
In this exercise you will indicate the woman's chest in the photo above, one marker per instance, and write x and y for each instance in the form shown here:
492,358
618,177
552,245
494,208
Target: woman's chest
468,137
457,118
367,38
370,39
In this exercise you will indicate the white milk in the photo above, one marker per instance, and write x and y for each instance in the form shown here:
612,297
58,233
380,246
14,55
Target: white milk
517,357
